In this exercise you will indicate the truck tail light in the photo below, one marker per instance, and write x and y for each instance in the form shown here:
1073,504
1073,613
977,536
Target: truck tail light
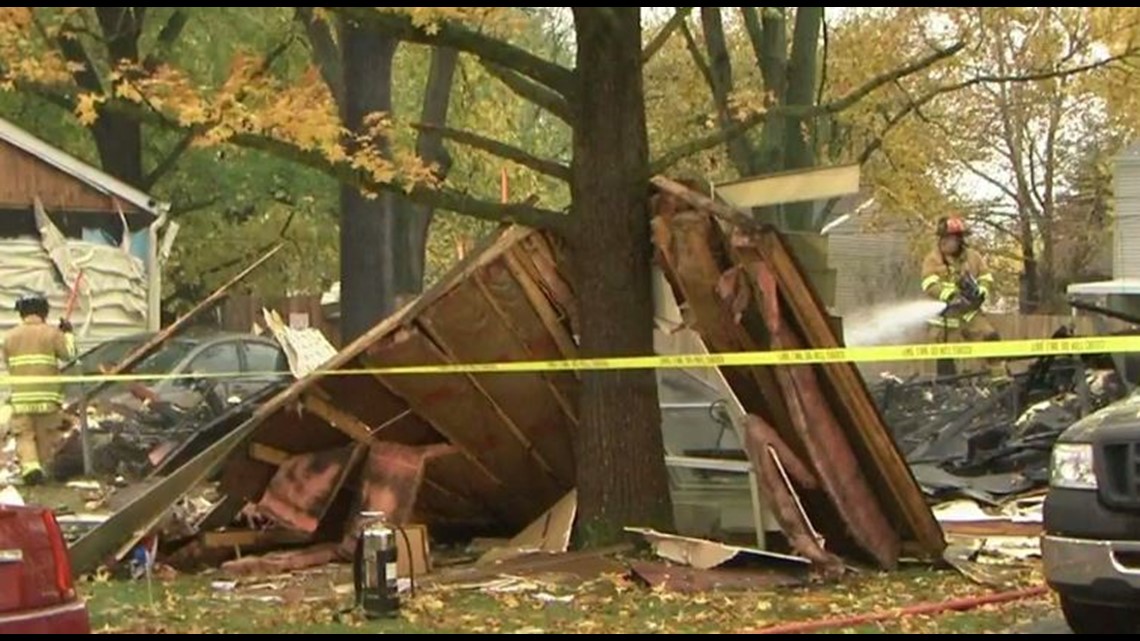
63,580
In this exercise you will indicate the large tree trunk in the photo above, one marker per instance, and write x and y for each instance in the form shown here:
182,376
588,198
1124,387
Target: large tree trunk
802,75
118,137
769,34
619,450
370,247
383,241
430,148
720,75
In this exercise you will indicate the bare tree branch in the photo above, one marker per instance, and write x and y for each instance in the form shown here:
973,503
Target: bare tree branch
436,198
892,76
437,102
529,90
997,227
326,52
720,75
441,198
684,150
665,33
969,166
988,178
929,96
168,162
755,32
460,38
167,37
181,209
695,53
500,149
85,74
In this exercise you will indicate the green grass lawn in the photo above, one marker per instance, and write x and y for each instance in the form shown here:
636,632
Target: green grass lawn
316,603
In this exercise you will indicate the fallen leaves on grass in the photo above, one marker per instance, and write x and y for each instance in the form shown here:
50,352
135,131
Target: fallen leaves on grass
609,604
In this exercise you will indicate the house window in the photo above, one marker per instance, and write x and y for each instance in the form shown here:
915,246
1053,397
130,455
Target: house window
17,224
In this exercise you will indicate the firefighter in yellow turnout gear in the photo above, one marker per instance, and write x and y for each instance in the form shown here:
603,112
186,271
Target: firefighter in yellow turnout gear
945,272
35,348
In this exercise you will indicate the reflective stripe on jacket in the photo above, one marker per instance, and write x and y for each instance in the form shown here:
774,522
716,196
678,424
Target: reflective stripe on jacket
35,348
940,275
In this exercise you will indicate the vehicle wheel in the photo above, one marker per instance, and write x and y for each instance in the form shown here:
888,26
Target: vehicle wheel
1099,619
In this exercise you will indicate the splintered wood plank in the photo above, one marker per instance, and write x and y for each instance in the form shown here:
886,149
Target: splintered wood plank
859,416
539,258
546,310
464,324
376,406
254,538
266,454
527,319
456,408
339,419
691,246
566,384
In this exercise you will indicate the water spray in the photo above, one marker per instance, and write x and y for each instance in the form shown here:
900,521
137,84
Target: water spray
889,324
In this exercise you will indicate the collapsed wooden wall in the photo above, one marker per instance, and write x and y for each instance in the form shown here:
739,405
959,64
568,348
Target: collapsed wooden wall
744,291
510,456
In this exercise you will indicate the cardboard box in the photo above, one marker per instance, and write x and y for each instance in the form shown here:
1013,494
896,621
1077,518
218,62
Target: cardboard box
412,551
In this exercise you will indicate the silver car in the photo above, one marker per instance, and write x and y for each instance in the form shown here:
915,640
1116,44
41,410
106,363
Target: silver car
259,361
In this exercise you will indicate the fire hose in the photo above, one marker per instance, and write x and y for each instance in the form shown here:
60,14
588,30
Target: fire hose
924,609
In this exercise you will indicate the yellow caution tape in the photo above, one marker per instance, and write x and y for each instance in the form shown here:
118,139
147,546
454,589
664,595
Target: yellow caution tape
872,354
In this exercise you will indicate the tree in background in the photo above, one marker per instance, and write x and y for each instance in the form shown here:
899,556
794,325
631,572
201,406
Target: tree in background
383,237
1011,145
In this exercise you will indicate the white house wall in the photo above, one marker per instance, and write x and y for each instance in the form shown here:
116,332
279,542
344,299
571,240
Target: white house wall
113,299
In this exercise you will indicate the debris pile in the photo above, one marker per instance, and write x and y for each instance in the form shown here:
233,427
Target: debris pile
492,454
967,436
134,439
981,451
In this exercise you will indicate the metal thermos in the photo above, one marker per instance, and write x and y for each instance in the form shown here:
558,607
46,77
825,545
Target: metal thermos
374,568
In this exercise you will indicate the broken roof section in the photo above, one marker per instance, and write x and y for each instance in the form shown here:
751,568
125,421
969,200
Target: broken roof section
20,178
511,434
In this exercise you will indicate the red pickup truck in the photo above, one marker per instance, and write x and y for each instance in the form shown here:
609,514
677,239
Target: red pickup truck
37,594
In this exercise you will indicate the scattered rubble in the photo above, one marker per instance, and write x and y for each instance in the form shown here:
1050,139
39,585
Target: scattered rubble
688,580
981,452
705,555
966,436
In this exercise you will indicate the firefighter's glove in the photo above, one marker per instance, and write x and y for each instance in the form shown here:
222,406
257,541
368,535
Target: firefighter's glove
65,326
956,306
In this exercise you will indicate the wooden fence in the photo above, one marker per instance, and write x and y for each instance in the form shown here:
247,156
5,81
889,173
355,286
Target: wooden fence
240,313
